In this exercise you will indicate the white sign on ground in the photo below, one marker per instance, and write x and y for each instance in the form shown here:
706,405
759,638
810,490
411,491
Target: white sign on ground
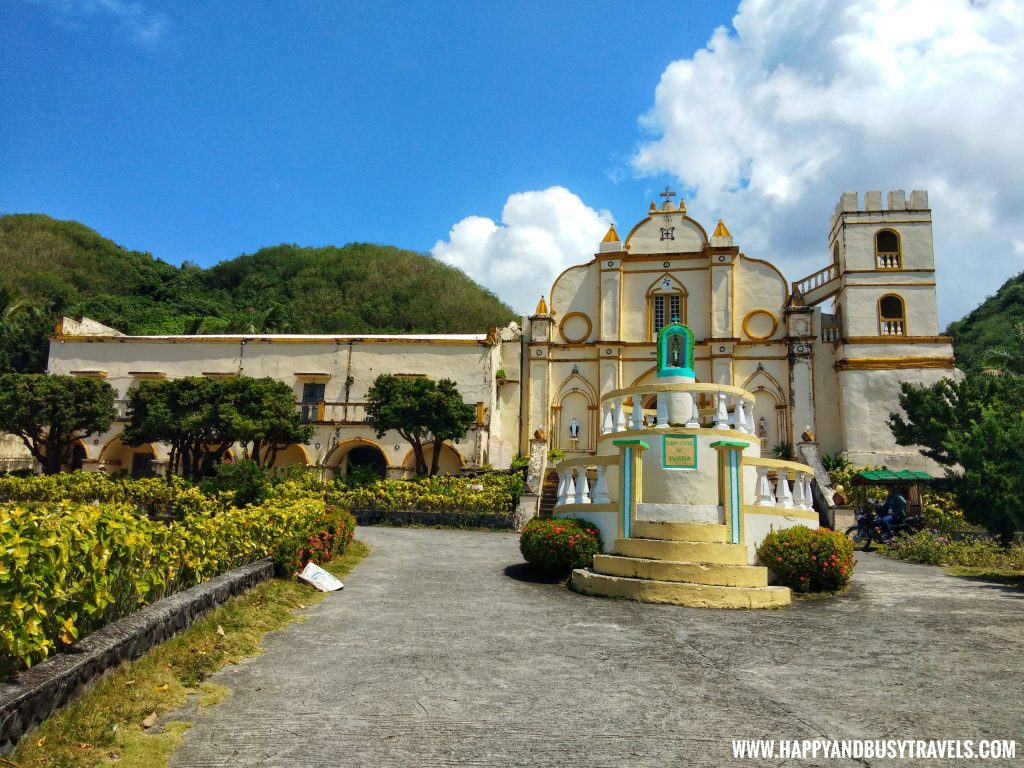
320,578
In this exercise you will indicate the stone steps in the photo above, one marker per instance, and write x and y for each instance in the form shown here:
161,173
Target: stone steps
679,593
712,574
682,551
656,529
680,563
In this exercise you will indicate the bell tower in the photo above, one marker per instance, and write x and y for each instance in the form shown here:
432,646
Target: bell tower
883,258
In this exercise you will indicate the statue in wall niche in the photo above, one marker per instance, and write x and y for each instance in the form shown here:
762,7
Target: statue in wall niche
574,429
762,428
674,355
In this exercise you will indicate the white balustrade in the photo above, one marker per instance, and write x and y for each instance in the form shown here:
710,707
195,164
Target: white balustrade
694,414
804,480
607,425
619,417
749,424
740,422
662,410
582,486
798,491
638,413
783,495
600,493
722,412
566,487
765,497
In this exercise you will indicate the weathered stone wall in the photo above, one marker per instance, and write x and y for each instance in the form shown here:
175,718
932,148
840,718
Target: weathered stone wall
33,695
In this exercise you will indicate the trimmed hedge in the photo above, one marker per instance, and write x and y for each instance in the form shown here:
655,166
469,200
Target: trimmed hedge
808,560
556,547
67,569
157,495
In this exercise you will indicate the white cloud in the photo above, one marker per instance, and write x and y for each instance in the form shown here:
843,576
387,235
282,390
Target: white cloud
803,100
143,26
540,234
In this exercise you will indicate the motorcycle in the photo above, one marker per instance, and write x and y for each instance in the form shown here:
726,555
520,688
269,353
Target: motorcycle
868,526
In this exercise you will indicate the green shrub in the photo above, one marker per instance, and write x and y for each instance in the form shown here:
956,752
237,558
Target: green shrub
808,560
556,547
245,480
936,548
67,569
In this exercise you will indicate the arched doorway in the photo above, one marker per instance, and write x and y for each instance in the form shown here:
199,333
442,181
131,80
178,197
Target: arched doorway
449,463
136,461
294,455
357,455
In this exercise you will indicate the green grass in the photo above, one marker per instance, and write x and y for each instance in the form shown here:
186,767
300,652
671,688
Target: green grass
104,726
1006,576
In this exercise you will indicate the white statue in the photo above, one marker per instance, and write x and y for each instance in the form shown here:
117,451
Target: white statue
574,429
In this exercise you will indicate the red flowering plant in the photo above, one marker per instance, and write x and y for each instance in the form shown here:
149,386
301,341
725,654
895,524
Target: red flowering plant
808,560
558,546
326,538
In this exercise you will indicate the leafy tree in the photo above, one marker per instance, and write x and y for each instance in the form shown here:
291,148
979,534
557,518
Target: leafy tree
975,428
202,418
183,413
990,326
51,413
261,414
421,411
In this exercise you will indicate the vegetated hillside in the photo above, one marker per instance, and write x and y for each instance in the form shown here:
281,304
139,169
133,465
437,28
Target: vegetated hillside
51,267
992,325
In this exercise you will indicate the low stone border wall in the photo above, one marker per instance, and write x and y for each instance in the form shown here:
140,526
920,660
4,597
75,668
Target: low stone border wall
33,695
509,520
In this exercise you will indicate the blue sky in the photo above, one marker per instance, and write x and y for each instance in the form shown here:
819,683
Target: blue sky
502,136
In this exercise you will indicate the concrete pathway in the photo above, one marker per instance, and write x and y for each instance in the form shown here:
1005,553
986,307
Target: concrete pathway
438,653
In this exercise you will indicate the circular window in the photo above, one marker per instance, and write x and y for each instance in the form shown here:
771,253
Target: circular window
575,328
760,324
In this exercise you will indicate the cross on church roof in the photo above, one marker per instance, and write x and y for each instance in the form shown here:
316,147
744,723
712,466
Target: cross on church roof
667,193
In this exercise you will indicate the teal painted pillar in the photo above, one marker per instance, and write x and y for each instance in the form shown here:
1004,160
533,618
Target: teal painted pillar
631,482
730,485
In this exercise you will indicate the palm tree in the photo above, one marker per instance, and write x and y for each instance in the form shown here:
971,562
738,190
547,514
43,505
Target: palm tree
10,305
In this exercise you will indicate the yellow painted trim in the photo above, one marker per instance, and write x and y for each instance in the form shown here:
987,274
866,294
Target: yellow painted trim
899,250
321,378
876,271
893,363
699,431
777,464
664,269
584,337
746,322
589,461
148,374
357,441
562,274
412,454
90,374
568,509
902,318
782,277
803,514
898,340
262,339
695,387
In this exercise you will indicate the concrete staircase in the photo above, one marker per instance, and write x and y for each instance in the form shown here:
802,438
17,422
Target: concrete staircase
549,493
681,563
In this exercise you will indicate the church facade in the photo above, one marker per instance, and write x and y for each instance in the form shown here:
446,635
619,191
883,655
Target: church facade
823,355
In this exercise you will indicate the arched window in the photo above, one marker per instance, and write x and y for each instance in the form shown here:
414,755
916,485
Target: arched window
891,316
887,250
666,302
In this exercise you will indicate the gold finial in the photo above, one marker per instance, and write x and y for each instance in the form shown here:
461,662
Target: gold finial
542,307
653,207
612,236
721,230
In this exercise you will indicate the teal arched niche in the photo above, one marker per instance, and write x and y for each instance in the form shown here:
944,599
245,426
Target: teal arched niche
675,351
